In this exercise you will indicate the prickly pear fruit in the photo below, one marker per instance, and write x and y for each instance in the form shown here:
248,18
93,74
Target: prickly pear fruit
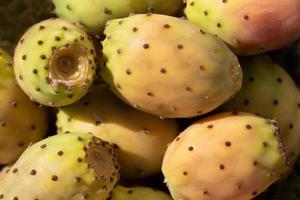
138,193
66,167
248,26
93,14
227,156
141,138
16,129
174,70
270,92
55,62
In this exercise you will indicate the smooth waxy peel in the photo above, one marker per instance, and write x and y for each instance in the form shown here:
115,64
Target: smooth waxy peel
66,167
55,62
93,14
16,129
226,156
141,138
163,71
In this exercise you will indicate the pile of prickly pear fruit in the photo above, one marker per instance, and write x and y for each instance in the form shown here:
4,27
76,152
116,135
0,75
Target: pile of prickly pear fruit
149,99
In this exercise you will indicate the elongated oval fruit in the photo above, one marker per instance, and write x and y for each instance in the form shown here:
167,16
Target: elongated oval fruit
17,130
65,167
174,70
270,92
93,14
55,62
226,156
141,138
138,193
248,26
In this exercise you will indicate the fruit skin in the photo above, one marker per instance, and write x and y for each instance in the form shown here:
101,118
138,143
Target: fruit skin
248,26
55,62
270,92
17,130
141,138
93,14
66,167
137,193
226,156
174,70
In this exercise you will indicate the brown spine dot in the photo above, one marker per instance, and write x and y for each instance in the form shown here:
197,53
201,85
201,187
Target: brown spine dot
180,46
248,126
57,38
134,29
40,42
33,172
222,167
166,26
191,148
228,144
54,178
60,153
246,17
210,126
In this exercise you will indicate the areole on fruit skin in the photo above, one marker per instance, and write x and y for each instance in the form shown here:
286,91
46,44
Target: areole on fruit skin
67,167
61,66
17,130
269,91
93,14
249,26
163,71
225,156
141,138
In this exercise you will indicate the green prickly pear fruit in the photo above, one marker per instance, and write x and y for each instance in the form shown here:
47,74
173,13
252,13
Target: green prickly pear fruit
174,70
16,129
271,93
227,156
141,138
93,14
55,62
248,26
137,193
65,167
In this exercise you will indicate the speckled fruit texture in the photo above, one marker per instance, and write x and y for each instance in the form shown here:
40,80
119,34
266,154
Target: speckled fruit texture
270,92
55,62
66,167
248,26
17,130
226,156
93,14
141,138
174,70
